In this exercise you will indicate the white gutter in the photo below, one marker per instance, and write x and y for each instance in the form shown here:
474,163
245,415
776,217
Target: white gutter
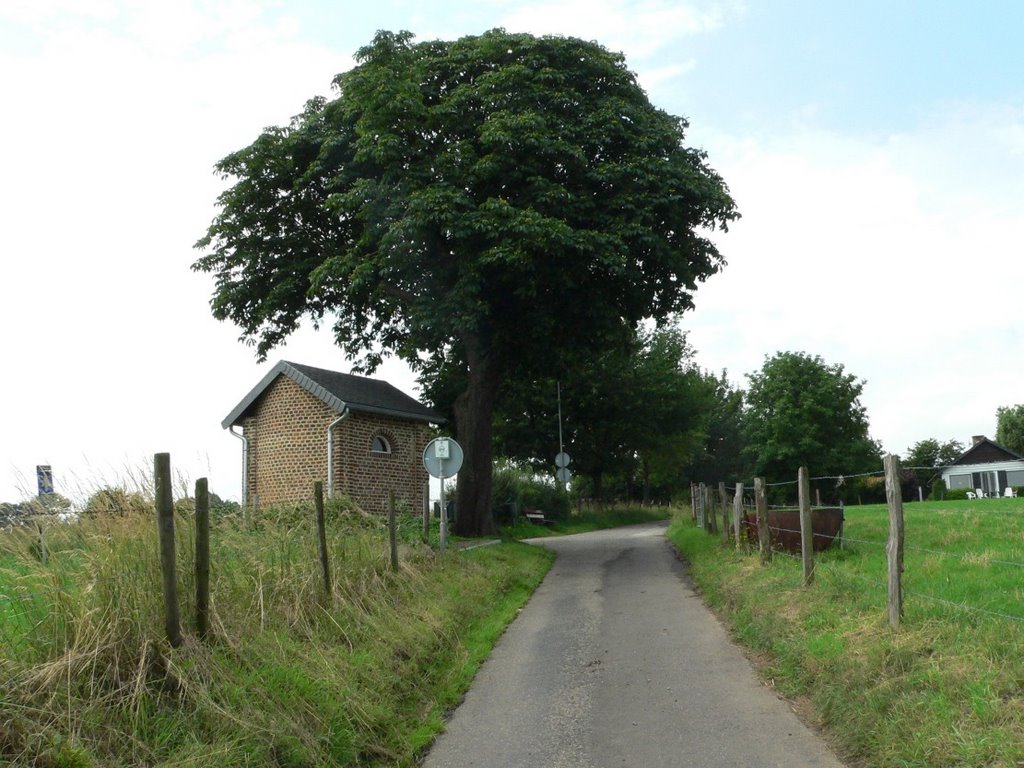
330,451
245,464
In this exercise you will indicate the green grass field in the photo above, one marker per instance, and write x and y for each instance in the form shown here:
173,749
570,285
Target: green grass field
947,687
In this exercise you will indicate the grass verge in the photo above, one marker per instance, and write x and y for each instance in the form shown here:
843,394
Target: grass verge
291,676
946,688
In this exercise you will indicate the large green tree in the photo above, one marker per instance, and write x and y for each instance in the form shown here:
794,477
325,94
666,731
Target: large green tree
928,456
1010,428
633,412
932,454
722,455
486,203
803,412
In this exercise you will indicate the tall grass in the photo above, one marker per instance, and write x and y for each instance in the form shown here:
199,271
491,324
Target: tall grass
291,676
947,687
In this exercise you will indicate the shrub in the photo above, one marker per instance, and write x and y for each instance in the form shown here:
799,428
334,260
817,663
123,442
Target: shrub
956,494
513,485
938,490
117,502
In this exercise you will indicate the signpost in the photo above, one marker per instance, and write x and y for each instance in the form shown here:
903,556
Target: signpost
562,462
442,458
44,479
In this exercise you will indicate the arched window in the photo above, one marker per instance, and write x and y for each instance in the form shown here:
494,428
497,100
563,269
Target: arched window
380,444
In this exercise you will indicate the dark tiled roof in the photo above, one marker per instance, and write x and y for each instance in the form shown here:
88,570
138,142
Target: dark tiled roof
986,452
338,391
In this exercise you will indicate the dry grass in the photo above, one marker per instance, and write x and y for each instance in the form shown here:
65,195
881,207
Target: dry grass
290,676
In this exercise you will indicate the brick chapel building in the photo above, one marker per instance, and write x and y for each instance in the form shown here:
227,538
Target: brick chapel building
362,437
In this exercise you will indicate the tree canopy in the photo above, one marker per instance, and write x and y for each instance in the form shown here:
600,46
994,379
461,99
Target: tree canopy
932,453
633,413
1010,428
492,204
804,412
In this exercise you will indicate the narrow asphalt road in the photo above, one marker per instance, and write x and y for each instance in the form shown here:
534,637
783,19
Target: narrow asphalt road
616,662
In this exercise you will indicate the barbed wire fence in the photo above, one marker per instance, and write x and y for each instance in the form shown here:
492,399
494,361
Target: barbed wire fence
746,516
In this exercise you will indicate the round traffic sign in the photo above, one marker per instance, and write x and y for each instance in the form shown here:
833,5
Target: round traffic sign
442,458
562,459
563,475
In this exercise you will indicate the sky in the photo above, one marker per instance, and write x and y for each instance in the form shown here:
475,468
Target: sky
874,149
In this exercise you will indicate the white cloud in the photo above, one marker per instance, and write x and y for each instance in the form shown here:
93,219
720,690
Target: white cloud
897,257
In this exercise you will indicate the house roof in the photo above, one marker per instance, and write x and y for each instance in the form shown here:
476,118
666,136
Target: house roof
339,391
986,451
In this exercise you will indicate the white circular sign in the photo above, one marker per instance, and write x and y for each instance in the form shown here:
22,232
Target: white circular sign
563,475
442,458
562,459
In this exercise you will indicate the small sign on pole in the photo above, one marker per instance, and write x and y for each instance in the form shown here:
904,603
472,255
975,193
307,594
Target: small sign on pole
442,458
44,479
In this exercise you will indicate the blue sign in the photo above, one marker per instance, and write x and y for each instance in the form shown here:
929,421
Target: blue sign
44,478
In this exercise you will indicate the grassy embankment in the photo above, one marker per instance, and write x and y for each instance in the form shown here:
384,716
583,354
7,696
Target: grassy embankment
947,687
290,676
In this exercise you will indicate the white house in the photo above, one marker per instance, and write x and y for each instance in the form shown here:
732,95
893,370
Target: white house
985,465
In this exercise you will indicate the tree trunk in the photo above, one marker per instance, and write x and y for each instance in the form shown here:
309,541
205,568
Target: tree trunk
598,493
647,484
474,419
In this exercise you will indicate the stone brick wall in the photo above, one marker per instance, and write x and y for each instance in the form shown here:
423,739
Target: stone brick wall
288,451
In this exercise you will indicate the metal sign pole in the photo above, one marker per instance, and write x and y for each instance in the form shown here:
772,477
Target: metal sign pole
561,445
444,509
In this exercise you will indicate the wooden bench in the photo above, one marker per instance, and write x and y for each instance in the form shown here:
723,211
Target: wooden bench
536,517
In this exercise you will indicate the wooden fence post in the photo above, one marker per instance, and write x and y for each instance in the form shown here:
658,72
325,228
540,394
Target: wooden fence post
894,547
202,557
737,512
165,533
709,509
702,519
44,556
723,500
321,530
693,500
764,541
806,526
392,531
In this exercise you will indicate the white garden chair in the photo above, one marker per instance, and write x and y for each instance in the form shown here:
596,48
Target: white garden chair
971,495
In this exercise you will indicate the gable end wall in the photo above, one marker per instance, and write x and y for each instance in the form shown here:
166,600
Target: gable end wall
287,435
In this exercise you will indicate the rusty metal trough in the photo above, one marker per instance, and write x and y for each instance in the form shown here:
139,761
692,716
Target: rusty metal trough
784,528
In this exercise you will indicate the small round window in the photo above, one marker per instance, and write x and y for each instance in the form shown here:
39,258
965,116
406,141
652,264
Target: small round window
380,445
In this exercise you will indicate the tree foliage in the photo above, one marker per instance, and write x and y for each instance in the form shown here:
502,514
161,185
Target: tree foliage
722,455
933,453
633,414
485,204
804,412
1010,428
928,456
22,512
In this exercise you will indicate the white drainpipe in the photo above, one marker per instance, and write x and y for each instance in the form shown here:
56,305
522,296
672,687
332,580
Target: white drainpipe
330,451
245,464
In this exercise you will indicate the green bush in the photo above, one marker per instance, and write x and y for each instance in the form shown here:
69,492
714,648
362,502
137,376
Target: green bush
513,485
117,502
938,490
957,494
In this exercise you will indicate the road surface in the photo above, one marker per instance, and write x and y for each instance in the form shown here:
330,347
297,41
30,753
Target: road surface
616,662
